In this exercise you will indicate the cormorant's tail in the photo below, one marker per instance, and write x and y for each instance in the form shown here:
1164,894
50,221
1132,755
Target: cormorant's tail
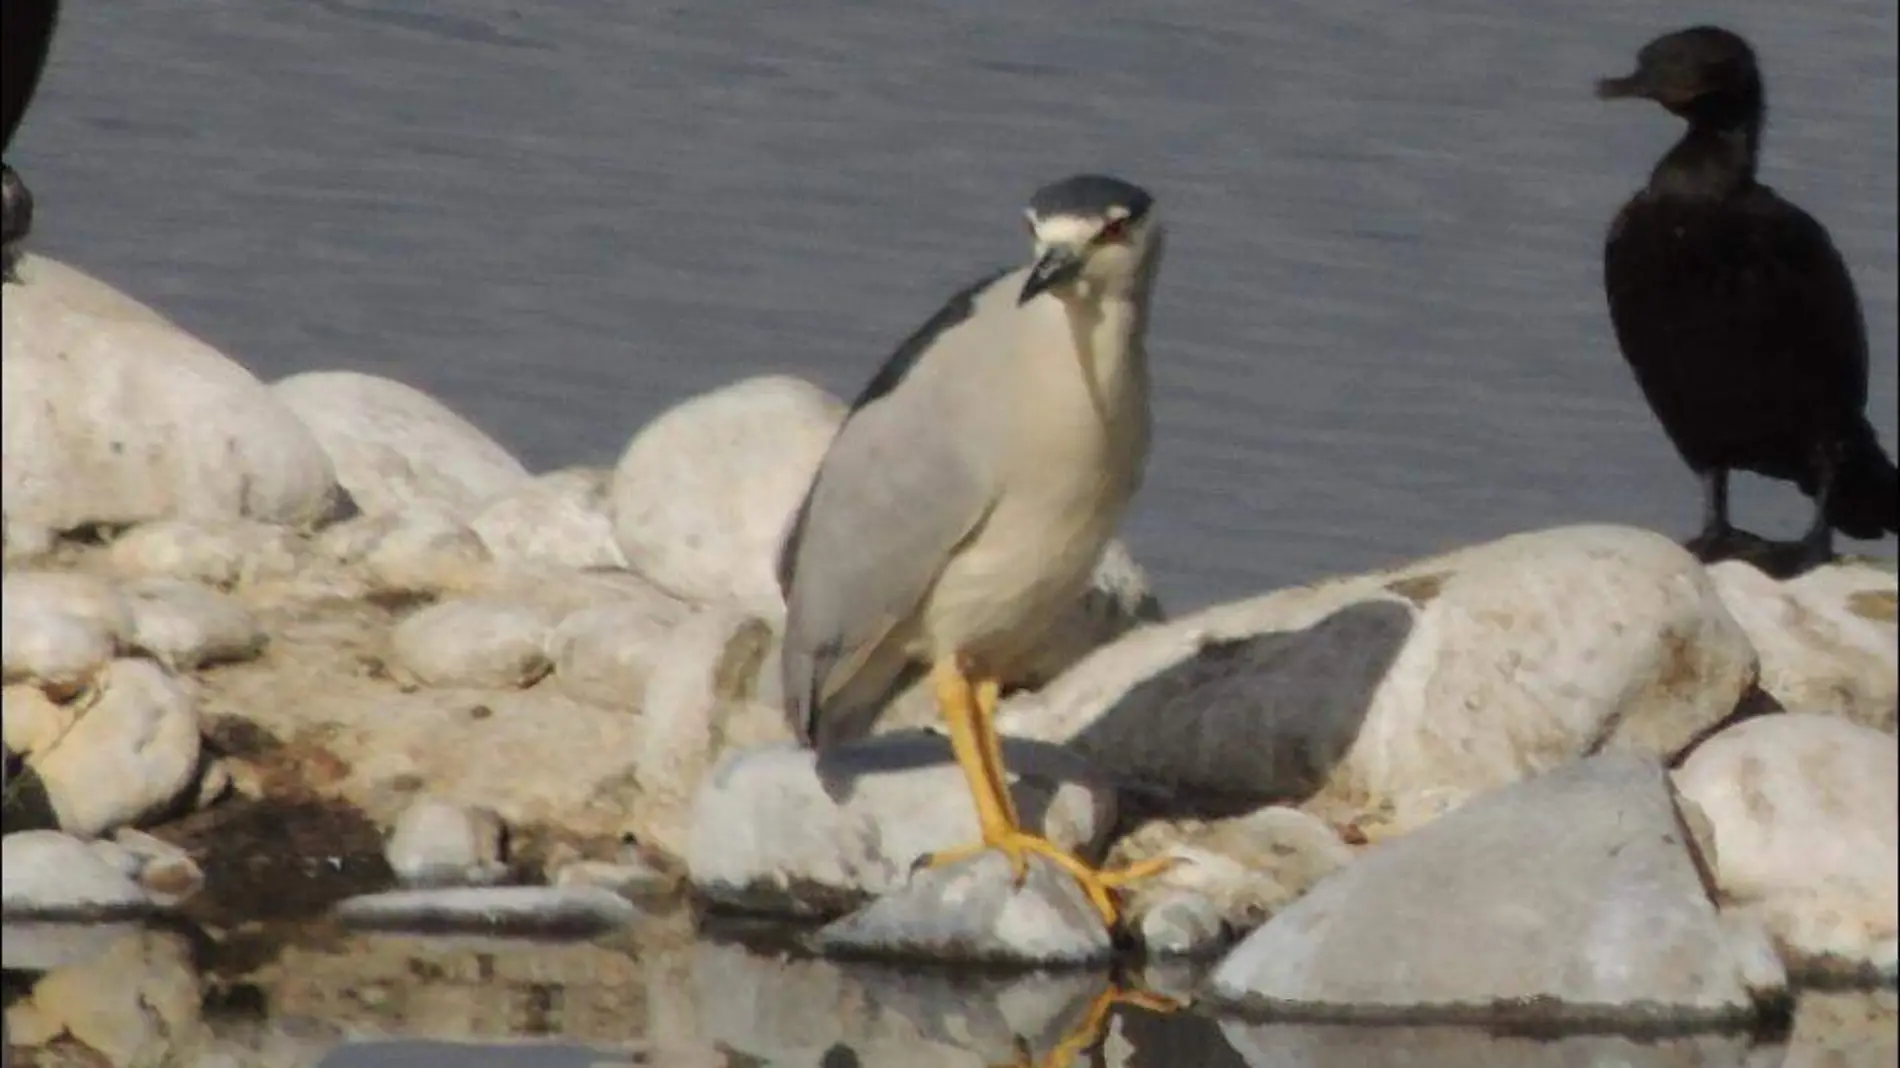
1866,502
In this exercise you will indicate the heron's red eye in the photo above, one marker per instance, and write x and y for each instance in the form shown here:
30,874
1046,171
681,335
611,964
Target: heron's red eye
1113,230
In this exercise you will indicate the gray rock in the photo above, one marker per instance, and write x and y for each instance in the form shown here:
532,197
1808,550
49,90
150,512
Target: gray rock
1571,898
1182,925
54,876
1293,1045
973,913
770,833
438,843
575,911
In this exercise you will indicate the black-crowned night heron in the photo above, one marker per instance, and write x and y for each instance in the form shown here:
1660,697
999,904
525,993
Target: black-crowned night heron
970,492
1737,314
26,34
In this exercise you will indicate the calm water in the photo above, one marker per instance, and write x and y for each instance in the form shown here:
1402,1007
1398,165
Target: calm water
1381,331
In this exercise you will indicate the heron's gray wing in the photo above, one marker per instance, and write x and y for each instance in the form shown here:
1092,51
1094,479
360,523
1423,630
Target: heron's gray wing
893,498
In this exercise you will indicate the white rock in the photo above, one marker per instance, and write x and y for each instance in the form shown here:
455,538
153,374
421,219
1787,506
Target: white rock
49,875
57,628
1827,638
26,542
973,912
185,625
703,494
767,835
1572,896
113,415
605,655
557,518
165,872
395,446
223,554
473,642
1805,810
629,879
1395,696
34,721
132,751
697,705
440,843
1181,925
571,910
42,946
423,550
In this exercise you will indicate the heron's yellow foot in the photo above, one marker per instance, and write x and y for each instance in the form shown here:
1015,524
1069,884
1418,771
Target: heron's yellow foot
1099,885
1093,1028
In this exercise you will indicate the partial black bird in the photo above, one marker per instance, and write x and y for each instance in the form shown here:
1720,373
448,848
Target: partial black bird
26,35
1738,315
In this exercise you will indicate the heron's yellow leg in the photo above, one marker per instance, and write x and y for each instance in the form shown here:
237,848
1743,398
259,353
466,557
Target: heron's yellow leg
979,753
1093,1028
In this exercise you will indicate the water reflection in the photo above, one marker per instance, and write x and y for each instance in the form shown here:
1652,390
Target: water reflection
126,995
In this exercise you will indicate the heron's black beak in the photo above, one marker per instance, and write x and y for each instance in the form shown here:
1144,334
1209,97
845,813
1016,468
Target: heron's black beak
1058,265
1633,85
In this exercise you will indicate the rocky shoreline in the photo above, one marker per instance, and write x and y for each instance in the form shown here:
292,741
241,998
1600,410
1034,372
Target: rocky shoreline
320,651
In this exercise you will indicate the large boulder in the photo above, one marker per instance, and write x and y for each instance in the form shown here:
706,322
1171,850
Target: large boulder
703,494
1388,699
1805,813
113,415
1571,899
394,445
1827,638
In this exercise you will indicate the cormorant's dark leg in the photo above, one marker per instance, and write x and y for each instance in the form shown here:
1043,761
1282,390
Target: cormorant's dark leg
1717,539
16,220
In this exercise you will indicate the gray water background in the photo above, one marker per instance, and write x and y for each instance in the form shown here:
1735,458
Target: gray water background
1380,333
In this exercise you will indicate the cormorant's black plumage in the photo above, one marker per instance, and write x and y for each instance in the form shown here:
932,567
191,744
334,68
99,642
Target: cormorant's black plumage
26,34
1736,312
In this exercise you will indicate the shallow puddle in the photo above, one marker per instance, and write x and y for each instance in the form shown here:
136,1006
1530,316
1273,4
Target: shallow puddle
313,994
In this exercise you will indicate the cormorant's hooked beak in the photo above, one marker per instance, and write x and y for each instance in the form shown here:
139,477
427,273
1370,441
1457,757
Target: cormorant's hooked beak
1058,265
1632,85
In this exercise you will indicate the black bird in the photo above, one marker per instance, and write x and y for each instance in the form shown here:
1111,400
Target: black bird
1737,313
26,33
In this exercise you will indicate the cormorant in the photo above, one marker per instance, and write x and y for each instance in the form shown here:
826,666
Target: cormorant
26,33
1738,315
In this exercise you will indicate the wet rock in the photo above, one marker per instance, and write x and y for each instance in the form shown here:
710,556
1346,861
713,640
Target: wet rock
573,911
973,912
1805,811
439,843
1827,639
1390,698
1244,869
395,446
606,654
697,706
225,554
767,833
559,518
115,416
1181,925
59,629
49,875
478,643
703,494
185,626
132,750
136,1005
1571,898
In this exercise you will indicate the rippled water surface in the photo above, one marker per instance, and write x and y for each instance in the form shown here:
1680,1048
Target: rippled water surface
1381,330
